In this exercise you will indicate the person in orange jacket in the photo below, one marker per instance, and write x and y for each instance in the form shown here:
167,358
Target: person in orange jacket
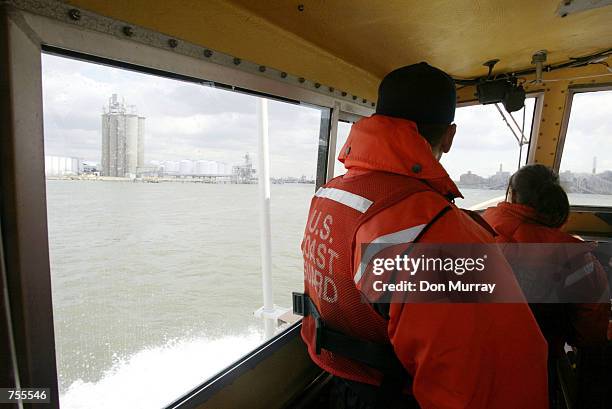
535,209
463,355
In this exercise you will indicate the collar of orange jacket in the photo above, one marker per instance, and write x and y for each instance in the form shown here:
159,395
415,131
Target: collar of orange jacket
394,145
521,223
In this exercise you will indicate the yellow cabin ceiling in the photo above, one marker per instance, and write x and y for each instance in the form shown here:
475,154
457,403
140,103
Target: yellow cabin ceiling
458,35
351,44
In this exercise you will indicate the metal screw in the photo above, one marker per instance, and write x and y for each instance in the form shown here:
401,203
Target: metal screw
364,100
354,97
172,43
373,104
237,61
300,7
283,74
331,89
262,68
344,93
74,14
128,31
317,85
302,80
208,53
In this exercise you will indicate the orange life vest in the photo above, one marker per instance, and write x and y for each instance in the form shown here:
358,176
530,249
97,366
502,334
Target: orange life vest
337,210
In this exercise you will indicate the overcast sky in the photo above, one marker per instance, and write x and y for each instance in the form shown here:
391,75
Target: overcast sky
191,121
183,120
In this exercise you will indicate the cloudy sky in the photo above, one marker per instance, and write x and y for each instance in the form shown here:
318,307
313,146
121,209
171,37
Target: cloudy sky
191,121
183,120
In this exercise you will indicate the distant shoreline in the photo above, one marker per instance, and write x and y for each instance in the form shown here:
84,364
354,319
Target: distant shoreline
206,180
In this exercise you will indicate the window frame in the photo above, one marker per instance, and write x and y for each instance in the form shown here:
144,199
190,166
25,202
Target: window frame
571,91
333,140
27,32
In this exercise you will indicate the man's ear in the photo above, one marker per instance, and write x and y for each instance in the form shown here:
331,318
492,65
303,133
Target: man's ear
447,139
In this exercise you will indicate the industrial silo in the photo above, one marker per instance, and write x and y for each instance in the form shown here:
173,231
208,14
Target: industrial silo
141,143
131,145
122,140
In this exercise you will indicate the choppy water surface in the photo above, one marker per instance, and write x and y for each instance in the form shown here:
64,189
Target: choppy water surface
154,285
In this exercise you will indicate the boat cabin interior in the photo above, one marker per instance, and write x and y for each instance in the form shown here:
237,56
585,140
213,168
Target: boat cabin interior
534,85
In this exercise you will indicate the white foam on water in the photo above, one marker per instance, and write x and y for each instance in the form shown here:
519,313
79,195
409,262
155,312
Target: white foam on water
154,377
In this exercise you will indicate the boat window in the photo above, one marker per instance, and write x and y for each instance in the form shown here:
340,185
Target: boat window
486,152
586,163
154,227
344,128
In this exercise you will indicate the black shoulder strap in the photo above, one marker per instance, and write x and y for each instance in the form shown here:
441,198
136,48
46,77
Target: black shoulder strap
375,355
480,220
382,309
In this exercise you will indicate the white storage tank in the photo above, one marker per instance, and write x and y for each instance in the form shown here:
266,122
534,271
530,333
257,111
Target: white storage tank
186,167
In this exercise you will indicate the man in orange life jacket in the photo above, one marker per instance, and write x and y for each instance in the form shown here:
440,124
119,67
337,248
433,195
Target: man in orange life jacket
396,191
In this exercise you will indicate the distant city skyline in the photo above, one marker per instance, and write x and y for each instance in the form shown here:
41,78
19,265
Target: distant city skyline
573,182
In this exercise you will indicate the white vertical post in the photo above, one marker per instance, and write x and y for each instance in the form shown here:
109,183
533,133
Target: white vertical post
265,230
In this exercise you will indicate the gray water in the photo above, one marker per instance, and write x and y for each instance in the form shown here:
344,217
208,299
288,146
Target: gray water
137,266
154,285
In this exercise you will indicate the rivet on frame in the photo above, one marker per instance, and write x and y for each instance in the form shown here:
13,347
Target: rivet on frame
262,68
74,14
128,31
283,74
237,61
172,43
208,53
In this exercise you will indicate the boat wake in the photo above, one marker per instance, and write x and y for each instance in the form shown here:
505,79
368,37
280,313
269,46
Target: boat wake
155,377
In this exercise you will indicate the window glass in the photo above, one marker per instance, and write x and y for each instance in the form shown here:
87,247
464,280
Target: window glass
154,230
586,162
485,152
344,128
294,138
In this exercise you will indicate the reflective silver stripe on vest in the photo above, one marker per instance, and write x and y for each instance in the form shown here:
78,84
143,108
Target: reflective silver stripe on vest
579,274
361,204
383,242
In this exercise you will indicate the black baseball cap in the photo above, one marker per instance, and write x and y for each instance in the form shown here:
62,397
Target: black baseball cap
420,93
